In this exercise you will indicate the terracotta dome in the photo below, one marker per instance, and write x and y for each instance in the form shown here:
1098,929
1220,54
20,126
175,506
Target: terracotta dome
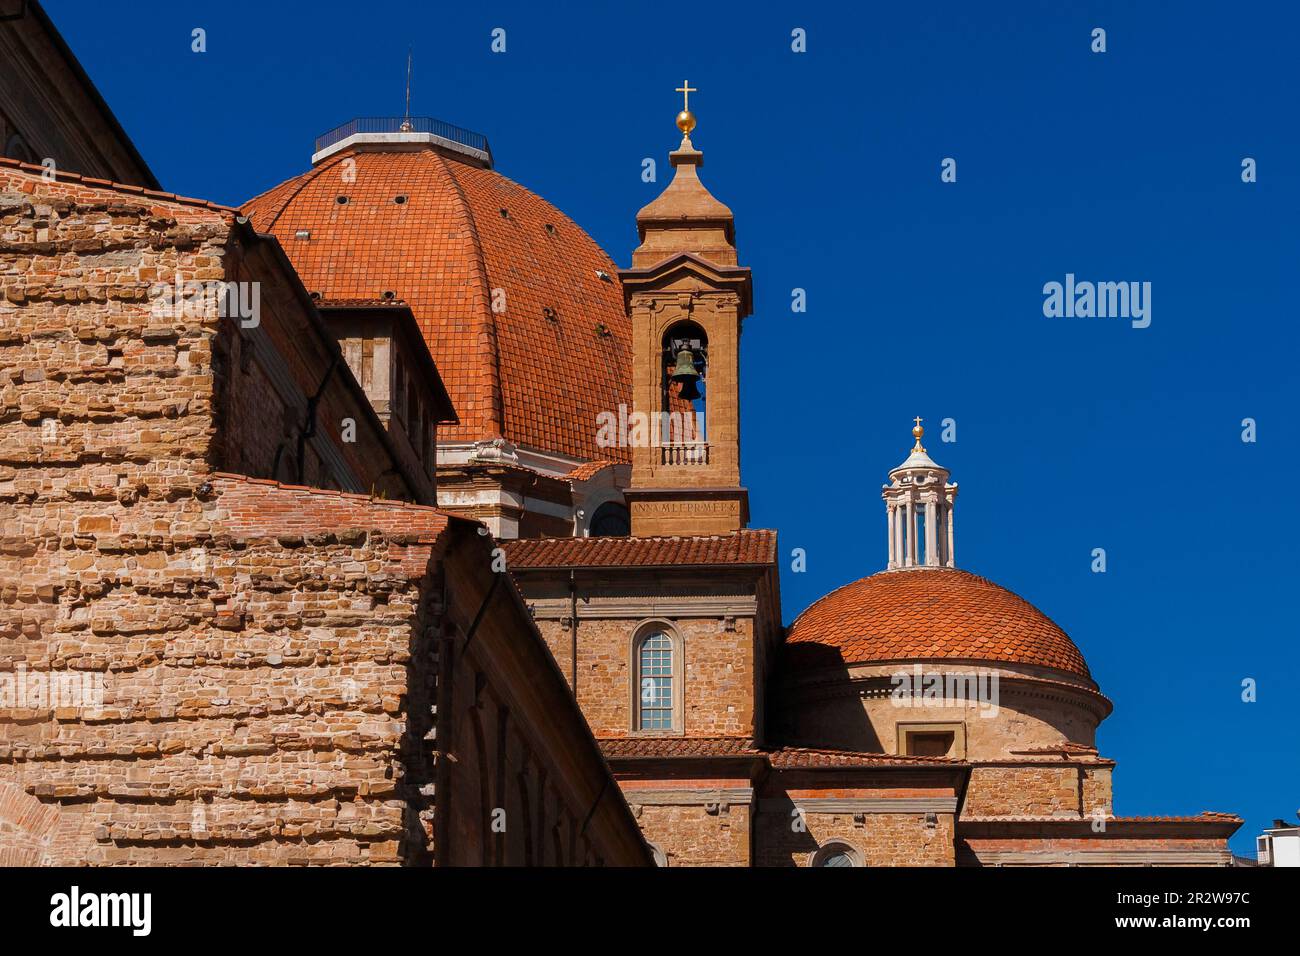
442,232
928,614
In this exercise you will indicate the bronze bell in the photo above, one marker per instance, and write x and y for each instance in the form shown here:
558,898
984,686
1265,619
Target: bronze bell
685,367
686,373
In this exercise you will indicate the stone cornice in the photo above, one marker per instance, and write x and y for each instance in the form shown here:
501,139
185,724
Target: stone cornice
830,683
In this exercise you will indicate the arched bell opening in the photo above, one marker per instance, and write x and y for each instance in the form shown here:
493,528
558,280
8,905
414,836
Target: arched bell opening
684,391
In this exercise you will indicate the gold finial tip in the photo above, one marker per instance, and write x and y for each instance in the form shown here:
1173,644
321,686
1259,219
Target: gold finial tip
917,432
686,119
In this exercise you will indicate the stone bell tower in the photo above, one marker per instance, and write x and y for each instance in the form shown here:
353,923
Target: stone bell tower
687,298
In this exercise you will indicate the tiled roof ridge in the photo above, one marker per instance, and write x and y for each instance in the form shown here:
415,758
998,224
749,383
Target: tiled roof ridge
96,183
716,536
840,752
289,189
589,469
488,346
457,235
736,548
778,756
1068,747
361,301
1205,816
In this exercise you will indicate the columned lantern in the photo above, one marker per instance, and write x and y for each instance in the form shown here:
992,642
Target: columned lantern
918,504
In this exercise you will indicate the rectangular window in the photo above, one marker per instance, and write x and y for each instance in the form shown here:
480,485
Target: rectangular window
929,744
655,666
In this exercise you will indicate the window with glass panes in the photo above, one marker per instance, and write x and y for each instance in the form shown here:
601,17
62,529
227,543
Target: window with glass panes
656,676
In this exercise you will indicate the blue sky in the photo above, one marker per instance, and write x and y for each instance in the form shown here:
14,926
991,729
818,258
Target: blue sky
924,298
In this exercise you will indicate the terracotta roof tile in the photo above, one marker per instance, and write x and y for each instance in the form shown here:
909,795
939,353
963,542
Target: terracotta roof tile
590,469
1065,748
654,747
1207,816
795,758
780,758
537,373
745,547
92,182
928,614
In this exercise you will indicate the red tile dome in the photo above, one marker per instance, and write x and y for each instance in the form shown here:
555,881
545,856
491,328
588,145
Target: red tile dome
928,614
442,232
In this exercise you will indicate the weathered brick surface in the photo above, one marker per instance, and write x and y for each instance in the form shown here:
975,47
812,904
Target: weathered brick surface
695,835
1033,790
718,669
270,658
882,839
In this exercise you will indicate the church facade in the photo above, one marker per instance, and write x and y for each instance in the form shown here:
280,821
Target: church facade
302,495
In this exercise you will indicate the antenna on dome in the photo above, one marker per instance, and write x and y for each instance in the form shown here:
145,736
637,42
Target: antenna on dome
406,118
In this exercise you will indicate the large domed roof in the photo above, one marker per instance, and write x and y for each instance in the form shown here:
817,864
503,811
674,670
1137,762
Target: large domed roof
928,614
442,233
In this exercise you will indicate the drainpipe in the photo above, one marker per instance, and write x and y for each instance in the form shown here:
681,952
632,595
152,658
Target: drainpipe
309,427
573,629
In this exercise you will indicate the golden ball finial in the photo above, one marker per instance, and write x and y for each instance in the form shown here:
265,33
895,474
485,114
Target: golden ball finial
686,122
917,432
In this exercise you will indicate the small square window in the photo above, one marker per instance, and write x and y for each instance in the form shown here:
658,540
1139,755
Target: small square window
936,744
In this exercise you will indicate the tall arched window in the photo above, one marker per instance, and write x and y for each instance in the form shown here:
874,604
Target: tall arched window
837,853
681,430
655,678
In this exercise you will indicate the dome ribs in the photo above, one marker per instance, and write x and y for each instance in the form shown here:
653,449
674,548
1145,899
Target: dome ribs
448,251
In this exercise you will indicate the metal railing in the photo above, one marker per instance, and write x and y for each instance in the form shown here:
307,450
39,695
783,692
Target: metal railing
393,124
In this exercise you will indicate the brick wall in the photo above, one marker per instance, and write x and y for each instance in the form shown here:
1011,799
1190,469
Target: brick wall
719,691
695,835
882,839
267,660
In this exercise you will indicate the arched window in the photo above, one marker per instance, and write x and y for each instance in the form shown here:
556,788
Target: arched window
681,430
836,853
611,520
656,674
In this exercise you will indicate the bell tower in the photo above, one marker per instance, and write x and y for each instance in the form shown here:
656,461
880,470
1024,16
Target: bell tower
918,504
687,298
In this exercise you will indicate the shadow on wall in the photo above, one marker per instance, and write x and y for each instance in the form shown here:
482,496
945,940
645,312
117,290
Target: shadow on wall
839,721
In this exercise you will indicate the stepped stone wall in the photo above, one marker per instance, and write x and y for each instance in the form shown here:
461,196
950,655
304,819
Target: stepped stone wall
206,667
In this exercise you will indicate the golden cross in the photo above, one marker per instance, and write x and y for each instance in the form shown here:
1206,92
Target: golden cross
686,90
918,421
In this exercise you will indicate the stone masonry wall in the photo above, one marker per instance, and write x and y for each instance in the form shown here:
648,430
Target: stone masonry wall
719,690
1055,789
882,839
255,663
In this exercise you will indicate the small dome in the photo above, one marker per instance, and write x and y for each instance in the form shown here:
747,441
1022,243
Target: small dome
521,309
928,614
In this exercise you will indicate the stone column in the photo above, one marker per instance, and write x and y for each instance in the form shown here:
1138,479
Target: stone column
931,533
889,513
951,560
911,533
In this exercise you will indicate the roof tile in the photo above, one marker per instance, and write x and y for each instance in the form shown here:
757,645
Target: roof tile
745,547
928,614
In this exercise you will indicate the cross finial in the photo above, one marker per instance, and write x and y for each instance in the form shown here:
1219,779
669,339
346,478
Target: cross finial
686,90
686,119
917,432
